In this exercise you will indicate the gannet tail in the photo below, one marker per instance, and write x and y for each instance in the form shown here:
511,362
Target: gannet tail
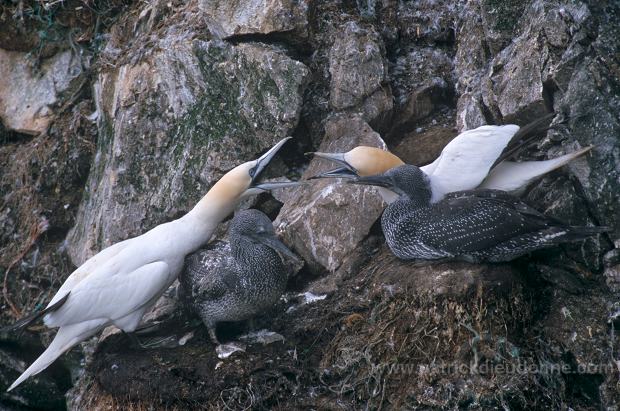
26,321
67,337
513,176
524,137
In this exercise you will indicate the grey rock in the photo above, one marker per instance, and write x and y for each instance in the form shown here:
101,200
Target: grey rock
324,220
28,98
421,148
417,67
500,21
470,62
429,21
420,104
470,109
359,73
515,85
238,17
592,101
612,278
171,124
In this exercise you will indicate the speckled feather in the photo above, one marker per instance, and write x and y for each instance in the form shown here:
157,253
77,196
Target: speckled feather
233,281
475,225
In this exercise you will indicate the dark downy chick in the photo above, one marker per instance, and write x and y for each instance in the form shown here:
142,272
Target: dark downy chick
237,280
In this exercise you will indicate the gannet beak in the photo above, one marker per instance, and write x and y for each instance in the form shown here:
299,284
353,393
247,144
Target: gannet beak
346,171
264,160
379,180
276,244
260,164
275,185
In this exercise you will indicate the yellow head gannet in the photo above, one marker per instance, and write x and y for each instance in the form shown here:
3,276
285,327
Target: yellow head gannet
117,285
474,158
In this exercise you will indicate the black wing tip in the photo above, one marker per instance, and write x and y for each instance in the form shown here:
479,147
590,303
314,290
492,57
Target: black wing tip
590,230
22,323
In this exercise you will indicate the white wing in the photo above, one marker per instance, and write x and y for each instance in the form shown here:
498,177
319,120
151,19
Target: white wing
512,176
466,160
111,296
87,268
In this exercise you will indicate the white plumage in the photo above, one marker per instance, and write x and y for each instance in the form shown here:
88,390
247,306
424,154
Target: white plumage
116,286
467,162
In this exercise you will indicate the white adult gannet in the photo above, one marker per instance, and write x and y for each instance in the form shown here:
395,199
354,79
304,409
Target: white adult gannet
118,285
473,159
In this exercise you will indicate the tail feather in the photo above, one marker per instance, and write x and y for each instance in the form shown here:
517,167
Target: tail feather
524,244
26,321
513,176
524,137
578,233
65,339
559,235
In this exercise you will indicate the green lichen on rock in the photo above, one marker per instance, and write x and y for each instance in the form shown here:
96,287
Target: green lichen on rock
173,123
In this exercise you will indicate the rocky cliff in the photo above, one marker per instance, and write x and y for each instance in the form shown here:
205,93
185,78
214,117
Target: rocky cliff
116,116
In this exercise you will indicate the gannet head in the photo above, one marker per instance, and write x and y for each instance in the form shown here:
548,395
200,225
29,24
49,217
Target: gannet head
405,180
361,161
242,180
255,226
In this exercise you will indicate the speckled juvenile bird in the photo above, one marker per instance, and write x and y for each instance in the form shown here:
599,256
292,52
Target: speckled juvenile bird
476,225
235,281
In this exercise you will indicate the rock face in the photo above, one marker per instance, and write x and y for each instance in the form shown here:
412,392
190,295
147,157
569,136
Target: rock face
359,73
27,97
183,91
174,123
324,221
241,17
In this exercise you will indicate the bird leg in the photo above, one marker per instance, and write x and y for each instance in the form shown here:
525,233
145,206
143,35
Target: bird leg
164,342
134,342
212,335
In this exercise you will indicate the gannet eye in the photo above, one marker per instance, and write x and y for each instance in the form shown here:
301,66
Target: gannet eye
252,172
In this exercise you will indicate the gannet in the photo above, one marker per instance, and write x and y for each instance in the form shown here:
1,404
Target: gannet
475,225
473,159
118,285
235,280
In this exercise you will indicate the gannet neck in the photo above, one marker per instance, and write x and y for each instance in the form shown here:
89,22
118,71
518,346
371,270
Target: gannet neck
219,201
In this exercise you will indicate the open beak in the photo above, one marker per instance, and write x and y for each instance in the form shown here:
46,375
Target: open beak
346,171
276,244
262,162
275,184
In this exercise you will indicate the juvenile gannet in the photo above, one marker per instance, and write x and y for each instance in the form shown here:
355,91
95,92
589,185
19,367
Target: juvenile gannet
235,280
476,225
117,285
474,158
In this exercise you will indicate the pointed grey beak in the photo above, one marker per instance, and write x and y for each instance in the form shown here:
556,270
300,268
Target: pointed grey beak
276,184
378,180
264,160
273,242
346,171
340,172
